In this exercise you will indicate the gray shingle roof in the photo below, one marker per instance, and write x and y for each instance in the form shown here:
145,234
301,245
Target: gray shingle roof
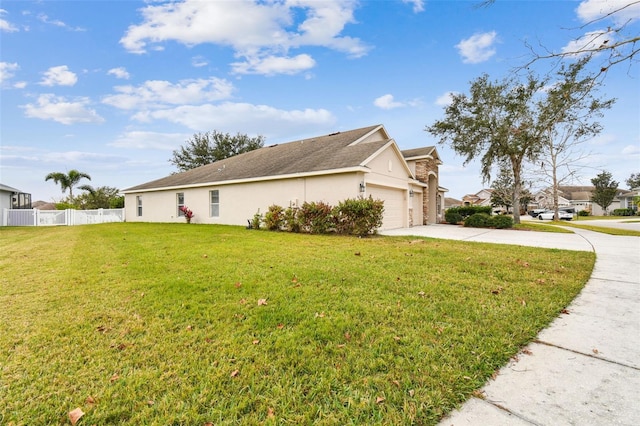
418,152
317,154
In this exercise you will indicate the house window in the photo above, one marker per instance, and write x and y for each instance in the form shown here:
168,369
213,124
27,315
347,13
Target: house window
214,210
139,205
180,201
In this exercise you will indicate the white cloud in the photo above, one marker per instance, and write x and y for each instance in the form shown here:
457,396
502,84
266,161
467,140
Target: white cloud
445,99
5,25
75,157
7,70
199,61
57,108
621,11
589,42
477,48
418,5
387,102
150,140
249,118
59,76
158,93
56,22
257,31
272,65
119,72
631,150
20,84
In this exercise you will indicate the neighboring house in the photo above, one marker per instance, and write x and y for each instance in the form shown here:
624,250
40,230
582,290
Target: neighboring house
451,202
579,197
480,198
361,162
12,198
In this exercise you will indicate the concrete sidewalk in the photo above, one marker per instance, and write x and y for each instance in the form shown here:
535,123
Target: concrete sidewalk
584,369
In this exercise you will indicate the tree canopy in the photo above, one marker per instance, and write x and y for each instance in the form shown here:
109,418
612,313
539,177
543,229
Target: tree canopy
633,181
496,122
209,147
67,180
103,197
568,115
605,190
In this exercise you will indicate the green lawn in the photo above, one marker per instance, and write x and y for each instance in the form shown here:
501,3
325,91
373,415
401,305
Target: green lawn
596,228
189,324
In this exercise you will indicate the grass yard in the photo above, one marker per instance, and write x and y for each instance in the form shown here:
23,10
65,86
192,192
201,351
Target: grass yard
187,324
596,228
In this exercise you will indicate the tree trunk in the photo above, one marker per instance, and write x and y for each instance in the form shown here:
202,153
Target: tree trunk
517,183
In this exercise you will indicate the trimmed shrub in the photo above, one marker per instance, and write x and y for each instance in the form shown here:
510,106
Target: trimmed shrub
501,222
361,216
584,213
452,216
455,215
477,220
292,219
623,212
274,218
316,218
257,220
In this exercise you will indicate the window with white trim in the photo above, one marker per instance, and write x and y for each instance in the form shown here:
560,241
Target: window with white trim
214,199
180,202
139,205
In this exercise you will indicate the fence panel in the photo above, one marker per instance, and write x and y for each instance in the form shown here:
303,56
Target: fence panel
51,217
35,217
17,217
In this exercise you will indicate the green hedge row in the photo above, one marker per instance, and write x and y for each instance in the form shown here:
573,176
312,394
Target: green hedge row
455,215
624,212
483,220
361,216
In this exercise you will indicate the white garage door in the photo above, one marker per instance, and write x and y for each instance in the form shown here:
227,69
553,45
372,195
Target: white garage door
394,208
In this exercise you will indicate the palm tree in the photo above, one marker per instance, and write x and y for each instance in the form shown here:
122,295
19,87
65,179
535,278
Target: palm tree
67,180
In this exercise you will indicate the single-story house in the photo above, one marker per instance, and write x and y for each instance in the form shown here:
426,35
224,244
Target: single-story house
579,197
12,198
356,163
451,202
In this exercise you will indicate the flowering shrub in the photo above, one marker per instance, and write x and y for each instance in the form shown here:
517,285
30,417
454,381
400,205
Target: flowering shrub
188,214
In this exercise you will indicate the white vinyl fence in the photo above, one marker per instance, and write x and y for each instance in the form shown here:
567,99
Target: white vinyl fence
35,217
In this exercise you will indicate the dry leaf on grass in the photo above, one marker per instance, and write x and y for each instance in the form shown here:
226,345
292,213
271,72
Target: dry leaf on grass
380,400
74,415
234,373
114,378
271,413
262,302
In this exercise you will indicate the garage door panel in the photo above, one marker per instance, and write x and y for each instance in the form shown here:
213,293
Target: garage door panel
394,205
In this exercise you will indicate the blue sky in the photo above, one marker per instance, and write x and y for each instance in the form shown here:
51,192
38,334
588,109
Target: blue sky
111,88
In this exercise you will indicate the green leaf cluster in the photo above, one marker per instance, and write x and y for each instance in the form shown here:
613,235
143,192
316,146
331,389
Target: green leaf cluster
209,147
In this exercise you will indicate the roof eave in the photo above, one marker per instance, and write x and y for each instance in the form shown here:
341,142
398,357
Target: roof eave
356,169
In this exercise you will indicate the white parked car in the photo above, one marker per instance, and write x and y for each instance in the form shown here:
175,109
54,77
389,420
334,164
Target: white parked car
548,215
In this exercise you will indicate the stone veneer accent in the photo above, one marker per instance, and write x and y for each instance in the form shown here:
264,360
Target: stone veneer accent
423,167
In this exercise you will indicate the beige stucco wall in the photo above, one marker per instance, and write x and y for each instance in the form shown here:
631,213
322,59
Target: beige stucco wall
239,202
387,169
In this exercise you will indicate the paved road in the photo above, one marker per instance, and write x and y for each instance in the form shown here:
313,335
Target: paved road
584,369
